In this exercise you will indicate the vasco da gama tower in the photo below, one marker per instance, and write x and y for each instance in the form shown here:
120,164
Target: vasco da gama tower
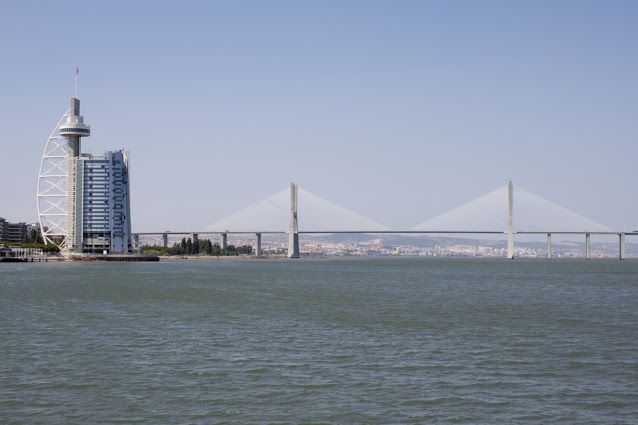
83,199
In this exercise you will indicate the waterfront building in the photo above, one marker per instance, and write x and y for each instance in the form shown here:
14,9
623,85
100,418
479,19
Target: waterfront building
84,202
12,232
103,221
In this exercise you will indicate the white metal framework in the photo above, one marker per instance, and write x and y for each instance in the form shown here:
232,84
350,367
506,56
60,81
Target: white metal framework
53,187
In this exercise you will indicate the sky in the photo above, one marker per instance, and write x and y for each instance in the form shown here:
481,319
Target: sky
397,110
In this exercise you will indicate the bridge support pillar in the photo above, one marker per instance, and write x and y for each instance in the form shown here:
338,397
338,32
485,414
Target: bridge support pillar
194,237
622,246
293,231
510,221
136,242
587,247
224,241
258,244
549,246
165,240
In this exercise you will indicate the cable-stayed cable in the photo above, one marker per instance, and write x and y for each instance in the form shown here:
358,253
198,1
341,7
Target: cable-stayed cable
531,213
314,213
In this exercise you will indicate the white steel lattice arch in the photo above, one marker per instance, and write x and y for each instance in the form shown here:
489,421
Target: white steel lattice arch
52,187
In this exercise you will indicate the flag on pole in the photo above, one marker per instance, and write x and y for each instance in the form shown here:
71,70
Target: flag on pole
77,70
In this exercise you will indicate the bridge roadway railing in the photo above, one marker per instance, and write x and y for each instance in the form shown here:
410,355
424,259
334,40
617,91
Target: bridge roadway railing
258,233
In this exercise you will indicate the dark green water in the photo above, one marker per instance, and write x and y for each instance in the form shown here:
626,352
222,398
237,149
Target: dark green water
322,341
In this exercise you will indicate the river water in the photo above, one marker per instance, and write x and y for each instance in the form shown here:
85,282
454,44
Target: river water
379,341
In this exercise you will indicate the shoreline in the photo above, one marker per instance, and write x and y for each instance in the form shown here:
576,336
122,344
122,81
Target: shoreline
269,258
184,258
172,259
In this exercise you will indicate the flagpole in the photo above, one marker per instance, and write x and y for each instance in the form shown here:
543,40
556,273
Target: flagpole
77,71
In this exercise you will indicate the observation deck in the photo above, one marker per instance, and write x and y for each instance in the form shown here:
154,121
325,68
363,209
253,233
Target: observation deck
75,129
74,125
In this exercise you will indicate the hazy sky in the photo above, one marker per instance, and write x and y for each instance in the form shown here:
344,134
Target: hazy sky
398,110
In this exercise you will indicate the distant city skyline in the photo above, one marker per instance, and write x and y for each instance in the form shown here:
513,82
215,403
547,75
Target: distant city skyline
397,111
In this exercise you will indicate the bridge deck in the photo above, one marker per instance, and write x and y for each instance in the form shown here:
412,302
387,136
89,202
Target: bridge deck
389,232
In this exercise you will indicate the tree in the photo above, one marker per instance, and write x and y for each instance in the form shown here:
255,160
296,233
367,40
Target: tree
176,249
245,249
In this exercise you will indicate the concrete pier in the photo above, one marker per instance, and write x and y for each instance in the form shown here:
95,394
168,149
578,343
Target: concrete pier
510,221
587,247
549,246
258,244
623,255
165,240
224,245
293,230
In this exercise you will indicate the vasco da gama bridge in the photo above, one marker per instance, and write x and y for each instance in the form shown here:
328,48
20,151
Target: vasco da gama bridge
294,211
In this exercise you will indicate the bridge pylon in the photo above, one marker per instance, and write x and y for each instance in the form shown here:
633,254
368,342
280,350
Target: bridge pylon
293,229
510,221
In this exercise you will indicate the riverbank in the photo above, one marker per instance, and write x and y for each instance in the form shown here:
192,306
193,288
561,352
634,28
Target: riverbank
175,258
114,257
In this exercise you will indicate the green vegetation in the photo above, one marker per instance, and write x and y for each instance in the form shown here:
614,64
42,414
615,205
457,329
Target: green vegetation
33,240
45,248
198,247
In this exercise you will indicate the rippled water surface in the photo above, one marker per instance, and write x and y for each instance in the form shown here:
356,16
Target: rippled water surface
320,341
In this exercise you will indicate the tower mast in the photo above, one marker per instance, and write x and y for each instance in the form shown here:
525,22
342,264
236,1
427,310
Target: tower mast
73,130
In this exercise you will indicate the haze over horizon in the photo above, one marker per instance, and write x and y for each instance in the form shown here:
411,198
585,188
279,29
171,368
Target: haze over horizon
399,111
